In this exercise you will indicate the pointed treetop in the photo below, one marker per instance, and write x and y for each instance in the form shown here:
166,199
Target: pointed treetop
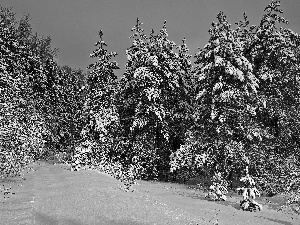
271,16
274,6
138,24
221,17
163,31
138,31
165,24
152,32
100,33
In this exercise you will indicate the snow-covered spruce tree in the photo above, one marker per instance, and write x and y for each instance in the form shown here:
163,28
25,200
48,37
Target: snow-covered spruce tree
225,109
154,98
257,125
101,87
273,51
100,136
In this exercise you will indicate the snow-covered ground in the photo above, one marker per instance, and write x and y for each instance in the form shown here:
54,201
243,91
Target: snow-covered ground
52,194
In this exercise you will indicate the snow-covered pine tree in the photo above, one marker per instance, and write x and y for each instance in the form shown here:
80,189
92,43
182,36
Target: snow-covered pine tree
155,95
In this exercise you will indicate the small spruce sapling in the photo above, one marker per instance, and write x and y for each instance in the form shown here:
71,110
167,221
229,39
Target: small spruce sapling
249,193
218,189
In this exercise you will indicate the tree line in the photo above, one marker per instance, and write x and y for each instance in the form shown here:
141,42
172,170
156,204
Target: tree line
235,107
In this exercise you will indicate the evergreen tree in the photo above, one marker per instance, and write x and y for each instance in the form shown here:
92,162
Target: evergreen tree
248,98
21,126
154,95
99,110
273,52
226,102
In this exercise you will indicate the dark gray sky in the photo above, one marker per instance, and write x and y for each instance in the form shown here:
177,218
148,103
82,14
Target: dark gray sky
73,25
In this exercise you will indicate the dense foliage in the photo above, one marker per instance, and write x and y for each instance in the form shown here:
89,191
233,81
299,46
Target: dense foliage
154,97
40,104
247,101
233,113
